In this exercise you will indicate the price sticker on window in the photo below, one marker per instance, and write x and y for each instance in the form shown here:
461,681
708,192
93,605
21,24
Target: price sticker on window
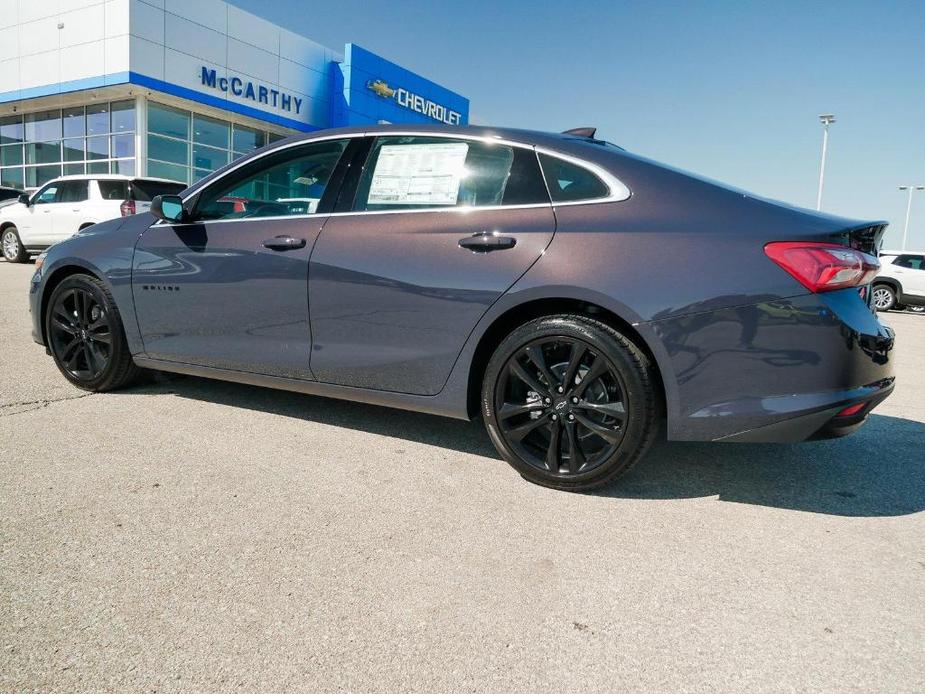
426,174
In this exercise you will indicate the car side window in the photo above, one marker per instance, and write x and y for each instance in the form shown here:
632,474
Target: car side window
570,182
419,172
73,191
113,190
913,262
286,183
48,194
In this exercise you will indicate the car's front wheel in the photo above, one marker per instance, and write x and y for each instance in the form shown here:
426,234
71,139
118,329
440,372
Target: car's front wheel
13,250
884,297
86,337
569,402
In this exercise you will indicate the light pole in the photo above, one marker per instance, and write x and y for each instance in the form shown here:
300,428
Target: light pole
908,211
826,119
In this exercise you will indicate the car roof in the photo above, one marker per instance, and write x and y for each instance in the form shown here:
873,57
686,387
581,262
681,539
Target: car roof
883,253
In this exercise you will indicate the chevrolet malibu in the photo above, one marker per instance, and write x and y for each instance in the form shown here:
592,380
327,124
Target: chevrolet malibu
579,298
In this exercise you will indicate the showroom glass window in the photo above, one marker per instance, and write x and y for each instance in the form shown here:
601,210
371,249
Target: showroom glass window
185,146
38,147
417,172
286,183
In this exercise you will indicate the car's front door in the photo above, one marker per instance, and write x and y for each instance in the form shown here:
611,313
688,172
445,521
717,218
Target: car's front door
229,289
39,221
439,230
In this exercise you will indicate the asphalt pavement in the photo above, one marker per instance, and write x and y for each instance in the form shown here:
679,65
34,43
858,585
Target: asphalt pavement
190,535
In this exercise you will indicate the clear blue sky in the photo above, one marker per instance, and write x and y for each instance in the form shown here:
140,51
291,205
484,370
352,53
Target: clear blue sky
727,89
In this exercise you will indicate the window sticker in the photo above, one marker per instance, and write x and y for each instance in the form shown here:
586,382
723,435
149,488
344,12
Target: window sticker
427,174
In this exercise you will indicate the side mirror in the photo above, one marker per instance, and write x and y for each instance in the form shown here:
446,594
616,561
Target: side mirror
168,208
25,199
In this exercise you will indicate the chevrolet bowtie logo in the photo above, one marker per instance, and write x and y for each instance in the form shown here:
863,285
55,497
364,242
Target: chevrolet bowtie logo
381,88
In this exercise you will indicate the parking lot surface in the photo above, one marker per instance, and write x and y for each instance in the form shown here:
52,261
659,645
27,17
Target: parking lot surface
197,535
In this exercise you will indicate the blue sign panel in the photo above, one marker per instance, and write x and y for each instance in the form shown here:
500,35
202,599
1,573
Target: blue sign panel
375,89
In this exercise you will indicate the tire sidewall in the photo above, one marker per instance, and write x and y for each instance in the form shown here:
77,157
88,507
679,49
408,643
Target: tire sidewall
605,342
102,296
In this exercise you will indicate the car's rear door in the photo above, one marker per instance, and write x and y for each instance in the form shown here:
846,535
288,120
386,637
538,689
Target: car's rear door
230,290
440,228
911,271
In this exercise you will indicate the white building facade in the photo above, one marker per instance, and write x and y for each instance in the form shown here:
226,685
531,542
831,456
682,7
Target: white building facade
176,89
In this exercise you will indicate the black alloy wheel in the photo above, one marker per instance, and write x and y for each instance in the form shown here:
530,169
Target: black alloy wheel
81,334
569,402
84,332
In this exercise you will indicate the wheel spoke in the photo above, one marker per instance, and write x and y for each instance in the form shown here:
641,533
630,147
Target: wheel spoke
519,432
90,357
97,356
60,322
612,409
524,376
552,453
104,338
598,369
578,353
509,410
575,457
606,433
70,353
535,354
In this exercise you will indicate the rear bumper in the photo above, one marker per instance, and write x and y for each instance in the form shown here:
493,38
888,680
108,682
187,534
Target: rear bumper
778,371
817,426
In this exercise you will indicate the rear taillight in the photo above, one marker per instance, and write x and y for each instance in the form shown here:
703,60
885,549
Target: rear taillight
823,267
127,208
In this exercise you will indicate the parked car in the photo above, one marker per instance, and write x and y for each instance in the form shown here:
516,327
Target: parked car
8,195
901,282
570,293
68,204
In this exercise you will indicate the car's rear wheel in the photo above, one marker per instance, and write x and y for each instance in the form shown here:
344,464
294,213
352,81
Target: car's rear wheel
569,402
884,297
86,337
13,250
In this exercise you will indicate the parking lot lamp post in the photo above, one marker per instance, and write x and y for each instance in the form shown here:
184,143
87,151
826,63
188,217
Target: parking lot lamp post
826,119
908,211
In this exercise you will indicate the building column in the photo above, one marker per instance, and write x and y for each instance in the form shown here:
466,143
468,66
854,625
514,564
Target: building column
141,135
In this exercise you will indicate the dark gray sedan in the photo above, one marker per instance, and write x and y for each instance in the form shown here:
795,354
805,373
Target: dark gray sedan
572,294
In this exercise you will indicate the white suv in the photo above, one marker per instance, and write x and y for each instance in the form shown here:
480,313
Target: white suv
901,282
66,205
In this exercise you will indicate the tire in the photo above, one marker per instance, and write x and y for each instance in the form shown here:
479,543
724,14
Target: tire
86,337
13,250
884,297
584,394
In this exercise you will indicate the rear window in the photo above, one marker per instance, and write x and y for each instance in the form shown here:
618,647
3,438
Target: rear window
913,262
569,182
114,190
145,190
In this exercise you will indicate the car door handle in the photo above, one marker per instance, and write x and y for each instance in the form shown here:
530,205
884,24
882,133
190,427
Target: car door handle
486,241
284,243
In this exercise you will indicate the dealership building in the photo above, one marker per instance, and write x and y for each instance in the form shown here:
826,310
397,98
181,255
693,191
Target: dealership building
178,88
